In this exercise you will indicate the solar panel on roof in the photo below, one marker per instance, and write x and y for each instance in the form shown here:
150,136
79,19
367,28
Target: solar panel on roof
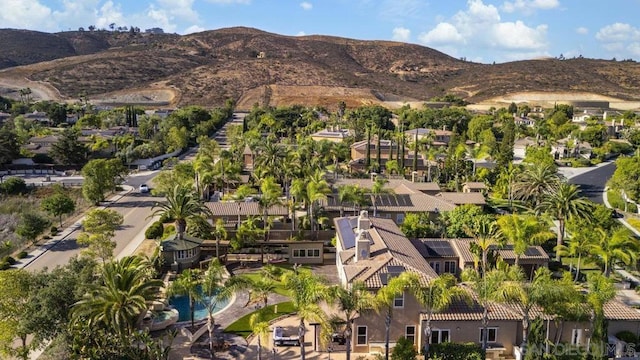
395,269
532,252
346,231
439,248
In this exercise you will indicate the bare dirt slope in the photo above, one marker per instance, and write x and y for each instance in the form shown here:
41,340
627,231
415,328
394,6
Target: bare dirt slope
252,66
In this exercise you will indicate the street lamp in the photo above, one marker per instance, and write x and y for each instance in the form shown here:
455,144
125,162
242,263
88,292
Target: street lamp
347,335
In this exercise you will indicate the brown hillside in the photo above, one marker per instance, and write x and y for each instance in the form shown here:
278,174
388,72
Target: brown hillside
209,67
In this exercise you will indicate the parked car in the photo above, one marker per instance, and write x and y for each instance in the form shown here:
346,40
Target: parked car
143,188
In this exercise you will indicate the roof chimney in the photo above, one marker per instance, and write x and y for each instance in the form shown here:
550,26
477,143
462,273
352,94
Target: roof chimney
364,223
362,247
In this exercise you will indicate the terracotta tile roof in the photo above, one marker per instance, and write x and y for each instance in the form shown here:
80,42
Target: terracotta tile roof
463,248
459,198
228,208
388,248
475,185
616,310
463,311
391,184
533,253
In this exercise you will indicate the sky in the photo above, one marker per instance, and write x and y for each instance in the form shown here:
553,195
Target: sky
483,31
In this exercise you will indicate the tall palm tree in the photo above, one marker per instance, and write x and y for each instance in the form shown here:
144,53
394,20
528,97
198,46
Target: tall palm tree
523,231
260,327
270,193
385,298
306,292
217,288
563,203
535,182
601,291
181,204
578,245
123,294
317,190
203,165
352,302
485,232
619,247
378,189
188,284
219,233
437,296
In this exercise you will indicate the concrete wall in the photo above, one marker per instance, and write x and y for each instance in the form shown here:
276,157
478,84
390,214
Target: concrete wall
307,248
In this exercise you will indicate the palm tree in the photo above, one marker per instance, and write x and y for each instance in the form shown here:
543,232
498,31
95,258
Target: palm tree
203,165
579,244
385,298
188,284
181,204
219,233
217,288
535,182
619,247
270,196
352,302
376,190
437,296
260,327
317,189
123,294
476,152
306,291
485,232
563,203
601,291
523,231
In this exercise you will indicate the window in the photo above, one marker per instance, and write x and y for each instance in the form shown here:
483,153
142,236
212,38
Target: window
399,218
186,254
439,336
493,334
361,333
450,267
398,301
576,336
410,333
435,266
300,253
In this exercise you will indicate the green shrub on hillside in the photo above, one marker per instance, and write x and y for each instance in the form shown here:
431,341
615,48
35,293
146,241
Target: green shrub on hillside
154,231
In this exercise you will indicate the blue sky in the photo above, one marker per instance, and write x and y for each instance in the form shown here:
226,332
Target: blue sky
479,30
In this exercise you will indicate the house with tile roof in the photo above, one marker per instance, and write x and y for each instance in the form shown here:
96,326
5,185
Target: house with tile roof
373,250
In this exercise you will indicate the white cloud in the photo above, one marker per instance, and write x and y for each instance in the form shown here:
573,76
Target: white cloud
23,14
529,6
108,14
480,26
193,29
396,10
582,30
401,34
443,34
618,32
301,33
621,40
306,5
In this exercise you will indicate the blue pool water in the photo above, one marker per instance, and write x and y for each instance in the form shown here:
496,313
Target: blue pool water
181,303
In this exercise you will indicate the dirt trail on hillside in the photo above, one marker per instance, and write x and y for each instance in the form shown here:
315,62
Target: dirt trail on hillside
39,90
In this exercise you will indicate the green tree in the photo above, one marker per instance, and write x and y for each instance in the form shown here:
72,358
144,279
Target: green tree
181,205
306,291
578,245
218,288
117,302
177,139
484,230
261,328
188,284
456,219
437,296
352,302
378,189
523,231
403,350
384,300
219,233
31,225
539,156
58,204
601,291
270,193
100,176
562,204
68,150
9,146
16,288
534,182
621,247
99,228
416,225
625,177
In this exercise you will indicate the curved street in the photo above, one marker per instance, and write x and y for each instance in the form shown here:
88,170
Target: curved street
591,181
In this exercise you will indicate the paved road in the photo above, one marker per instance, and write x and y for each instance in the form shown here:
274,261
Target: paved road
593,182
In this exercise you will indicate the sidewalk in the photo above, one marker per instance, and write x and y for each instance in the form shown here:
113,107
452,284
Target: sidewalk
624,222
66,232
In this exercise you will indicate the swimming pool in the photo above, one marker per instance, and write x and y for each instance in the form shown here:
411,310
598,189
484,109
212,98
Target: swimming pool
181,303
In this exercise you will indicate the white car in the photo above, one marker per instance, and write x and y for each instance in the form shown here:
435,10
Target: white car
143,188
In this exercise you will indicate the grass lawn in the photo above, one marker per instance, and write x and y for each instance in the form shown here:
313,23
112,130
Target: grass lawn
616,201
634,222
257,275
241,326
